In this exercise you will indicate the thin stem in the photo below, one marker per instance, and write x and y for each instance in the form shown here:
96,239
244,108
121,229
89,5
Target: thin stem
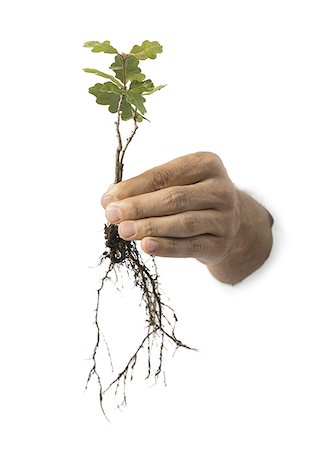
118,169
124,70
128,141
120,152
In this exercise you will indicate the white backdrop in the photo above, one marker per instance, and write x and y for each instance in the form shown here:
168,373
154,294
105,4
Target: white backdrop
245,80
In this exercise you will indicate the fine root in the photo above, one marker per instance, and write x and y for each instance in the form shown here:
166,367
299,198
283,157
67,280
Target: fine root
160,317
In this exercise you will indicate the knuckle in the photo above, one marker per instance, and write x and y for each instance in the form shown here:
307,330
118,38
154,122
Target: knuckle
190,223
137,209
227,220
131,209
118,189
160,179
210,160
172,247
227,195
196,247
168,247
215,224
176,199
148,229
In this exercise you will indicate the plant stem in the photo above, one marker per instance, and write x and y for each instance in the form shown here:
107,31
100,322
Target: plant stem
118,168
128,141
120,152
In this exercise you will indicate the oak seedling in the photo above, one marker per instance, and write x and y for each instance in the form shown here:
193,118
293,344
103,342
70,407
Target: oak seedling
125,93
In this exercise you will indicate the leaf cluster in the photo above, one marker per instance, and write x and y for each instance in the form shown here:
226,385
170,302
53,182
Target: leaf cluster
126,90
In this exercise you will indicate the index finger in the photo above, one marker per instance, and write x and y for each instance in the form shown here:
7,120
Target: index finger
185,170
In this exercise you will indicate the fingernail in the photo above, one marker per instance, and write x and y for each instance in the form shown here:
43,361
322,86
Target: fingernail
113,214
152,246
127,229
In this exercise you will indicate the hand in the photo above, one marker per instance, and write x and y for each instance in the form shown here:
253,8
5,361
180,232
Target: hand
187,207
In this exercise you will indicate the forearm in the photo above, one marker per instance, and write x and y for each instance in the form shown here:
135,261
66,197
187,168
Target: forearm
251,245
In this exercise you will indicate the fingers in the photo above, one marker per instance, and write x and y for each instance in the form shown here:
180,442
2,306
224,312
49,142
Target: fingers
205,248
181,171
209,194
188,224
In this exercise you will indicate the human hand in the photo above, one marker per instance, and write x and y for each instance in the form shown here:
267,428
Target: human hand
187,207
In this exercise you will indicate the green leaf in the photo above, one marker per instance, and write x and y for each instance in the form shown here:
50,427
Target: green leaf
126,68
126,109
146,87
118,68
109,94
157,88
105,75
139,117
111,87
148,49
133,72
106,94
141,86
100,47
137,100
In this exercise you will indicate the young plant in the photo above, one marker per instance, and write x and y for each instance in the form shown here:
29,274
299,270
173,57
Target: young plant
125,95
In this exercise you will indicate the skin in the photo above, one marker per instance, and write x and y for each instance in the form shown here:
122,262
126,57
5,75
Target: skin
189,207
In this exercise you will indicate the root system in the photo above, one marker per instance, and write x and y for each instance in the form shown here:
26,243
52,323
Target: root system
160,317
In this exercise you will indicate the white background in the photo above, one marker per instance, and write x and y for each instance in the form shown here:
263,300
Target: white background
245,80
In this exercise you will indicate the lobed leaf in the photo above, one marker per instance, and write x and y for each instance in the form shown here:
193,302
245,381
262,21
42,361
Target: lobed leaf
104,75
111,87
100,47
148,49
145,87
106,94
126,68
137,100
109,94
141,86
157,88
126,110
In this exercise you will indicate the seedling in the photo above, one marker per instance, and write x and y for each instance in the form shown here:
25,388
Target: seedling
125,95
